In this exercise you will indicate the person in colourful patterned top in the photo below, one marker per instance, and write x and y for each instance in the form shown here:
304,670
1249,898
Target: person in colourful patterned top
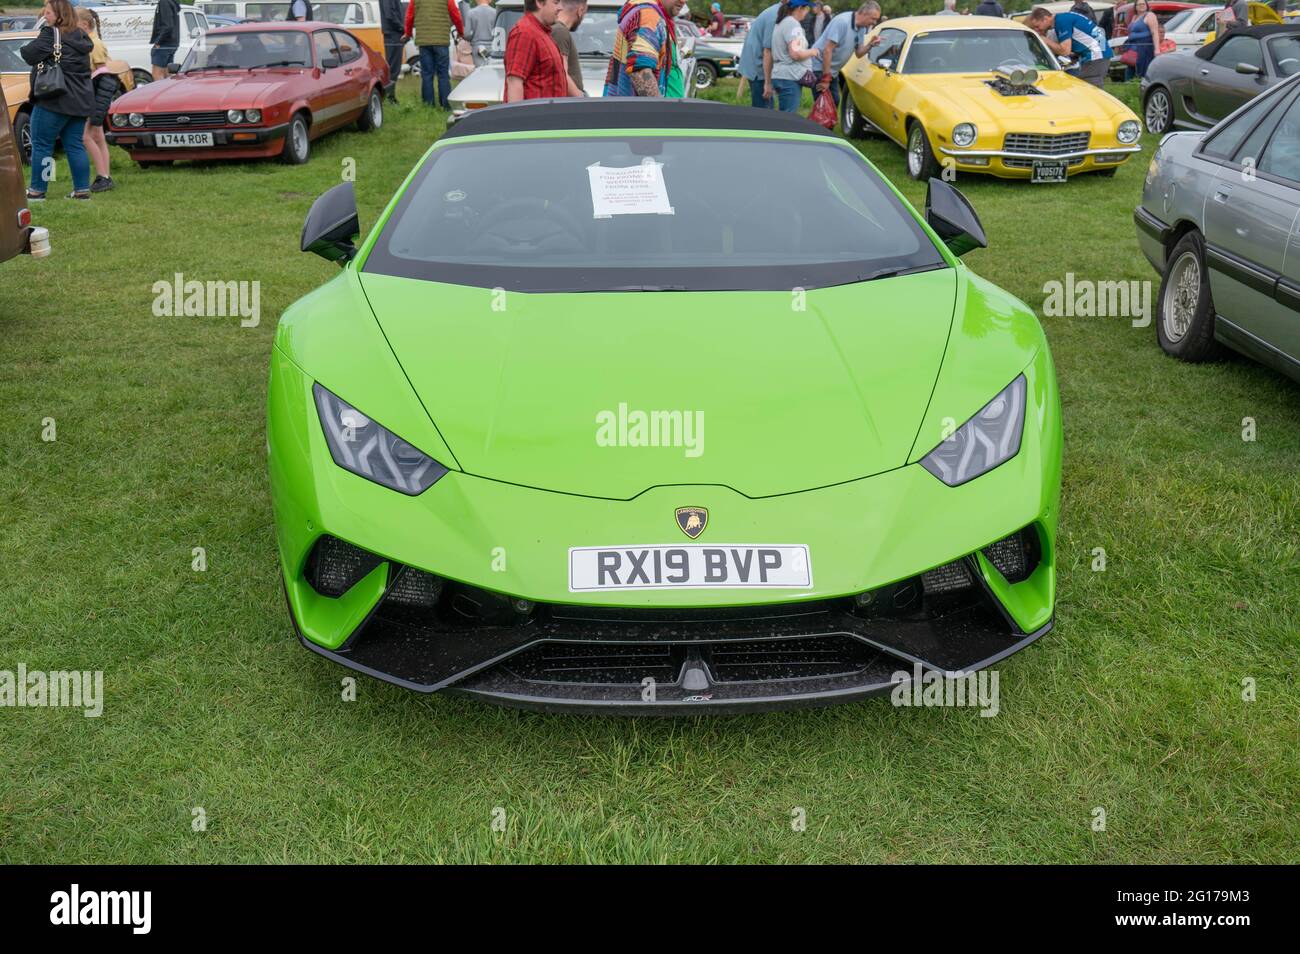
644,61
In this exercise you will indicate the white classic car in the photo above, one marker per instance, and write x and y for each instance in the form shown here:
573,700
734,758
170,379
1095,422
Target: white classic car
594,39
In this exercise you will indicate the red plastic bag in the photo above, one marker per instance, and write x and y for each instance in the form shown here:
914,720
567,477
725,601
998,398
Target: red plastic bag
823,111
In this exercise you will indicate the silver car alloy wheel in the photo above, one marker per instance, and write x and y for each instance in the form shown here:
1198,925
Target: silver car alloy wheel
1183,296
915,150
1158,110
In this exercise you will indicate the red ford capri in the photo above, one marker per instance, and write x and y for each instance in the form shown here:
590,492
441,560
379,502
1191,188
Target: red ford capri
254,91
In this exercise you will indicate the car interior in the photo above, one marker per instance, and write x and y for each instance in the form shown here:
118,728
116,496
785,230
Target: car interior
474,207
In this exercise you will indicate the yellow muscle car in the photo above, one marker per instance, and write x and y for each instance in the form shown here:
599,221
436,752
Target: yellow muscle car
978,94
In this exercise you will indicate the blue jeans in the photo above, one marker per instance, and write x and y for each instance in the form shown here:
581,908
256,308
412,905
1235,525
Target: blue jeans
788,94
435,58
756,95
48,127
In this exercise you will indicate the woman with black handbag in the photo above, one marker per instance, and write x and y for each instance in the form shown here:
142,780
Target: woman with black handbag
62,98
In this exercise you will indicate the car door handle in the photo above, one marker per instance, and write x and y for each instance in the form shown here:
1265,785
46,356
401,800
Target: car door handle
1205,72
1221,195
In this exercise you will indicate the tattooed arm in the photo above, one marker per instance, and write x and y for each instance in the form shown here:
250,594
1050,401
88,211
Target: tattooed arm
645,84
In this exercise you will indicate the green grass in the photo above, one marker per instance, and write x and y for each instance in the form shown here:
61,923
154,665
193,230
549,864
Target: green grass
1132,704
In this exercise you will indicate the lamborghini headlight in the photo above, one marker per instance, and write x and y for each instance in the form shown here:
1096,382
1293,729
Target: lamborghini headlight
1128,131
963,134
371,451
989,438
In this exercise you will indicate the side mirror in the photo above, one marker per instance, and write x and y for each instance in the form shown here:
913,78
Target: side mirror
885,63
952,217
173,68
332,224
1248,69
195,33
329,62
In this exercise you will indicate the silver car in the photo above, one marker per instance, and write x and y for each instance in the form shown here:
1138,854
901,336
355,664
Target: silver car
1220,219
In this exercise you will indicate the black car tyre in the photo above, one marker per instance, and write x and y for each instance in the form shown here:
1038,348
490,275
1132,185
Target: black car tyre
921,164
1158,110
851,121
706,74
372,117
297,144
23,136
1184,308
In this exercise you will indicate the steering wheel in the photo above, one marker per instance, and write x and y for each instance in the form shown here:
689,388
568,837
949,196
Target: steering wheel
562,219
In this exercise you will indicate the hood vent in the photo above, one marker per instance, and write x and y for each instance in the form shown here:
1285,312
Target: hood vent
1007,88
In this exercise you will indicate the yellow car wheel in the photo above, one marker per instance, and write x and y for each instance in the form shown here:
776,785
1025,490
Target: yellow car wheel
851,121
921,164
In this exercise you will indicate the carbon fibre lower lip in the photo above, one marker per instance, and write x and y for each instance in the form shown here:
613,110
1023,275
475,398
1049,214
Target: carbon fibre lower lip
964,642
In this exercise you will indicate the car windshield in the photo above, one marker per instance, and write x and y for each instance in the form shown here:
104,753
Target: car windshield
249,51
975,51
616,213
594,36
266,11
1285,51
10,61
1180,20
347,14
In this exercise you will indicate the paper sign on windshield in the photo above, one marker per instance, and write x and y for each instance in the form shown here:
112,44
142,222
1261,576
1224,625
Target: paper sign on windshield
628,190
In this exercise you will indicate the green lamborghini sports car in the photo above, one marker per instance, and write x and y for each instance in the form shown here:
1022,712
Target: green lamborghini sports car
660,406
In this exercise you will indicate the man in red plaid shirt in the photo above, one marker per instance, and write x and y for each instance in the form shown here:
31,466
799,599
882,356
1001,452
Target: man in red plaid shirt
534,67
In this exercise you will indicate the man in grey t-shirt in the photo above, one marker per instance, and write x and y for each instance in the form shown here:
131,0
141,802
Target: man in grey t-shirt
478,30
844,36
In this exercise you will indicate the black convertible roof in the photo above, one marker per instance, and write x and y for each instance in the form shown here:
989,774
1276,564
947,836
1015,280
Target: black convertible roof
623,112
1261,31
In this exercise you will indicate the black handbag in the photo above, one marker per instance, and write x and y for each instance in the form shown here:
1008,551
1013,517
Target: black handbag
49,82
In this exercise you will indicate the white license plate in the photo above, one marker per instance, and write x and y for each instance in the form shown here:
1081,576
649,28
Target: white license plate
183,139
1049,170
722,566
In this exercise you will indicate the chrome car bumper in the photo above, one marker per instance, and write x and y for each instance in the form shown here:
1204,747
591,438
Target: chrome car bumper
1005,154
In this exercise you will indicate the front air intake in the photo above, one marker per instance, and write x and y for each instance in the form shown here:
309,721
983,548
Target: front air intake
335,566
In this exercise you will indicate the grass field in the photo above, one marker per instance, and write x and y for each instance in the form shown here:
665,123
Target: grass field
1133,705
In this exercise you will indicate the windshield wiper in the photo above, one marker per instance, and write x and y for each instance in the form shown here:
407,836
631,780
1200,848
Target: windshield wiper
264,66
200,69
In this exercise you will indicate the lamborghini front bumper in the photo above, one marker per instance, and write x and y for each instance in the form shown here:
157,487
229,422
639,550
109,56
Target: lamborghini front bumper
465,587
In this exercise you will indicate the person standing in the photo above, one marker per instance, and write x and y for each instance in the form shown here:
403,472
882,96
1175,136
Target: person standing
104,85
478,31
300,10
430,22
717,22
949,9
1143,37
1072,33
393,25
989,8
533,65
644,61
844,36
791,54
61,117
756,58
165,39
566,24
